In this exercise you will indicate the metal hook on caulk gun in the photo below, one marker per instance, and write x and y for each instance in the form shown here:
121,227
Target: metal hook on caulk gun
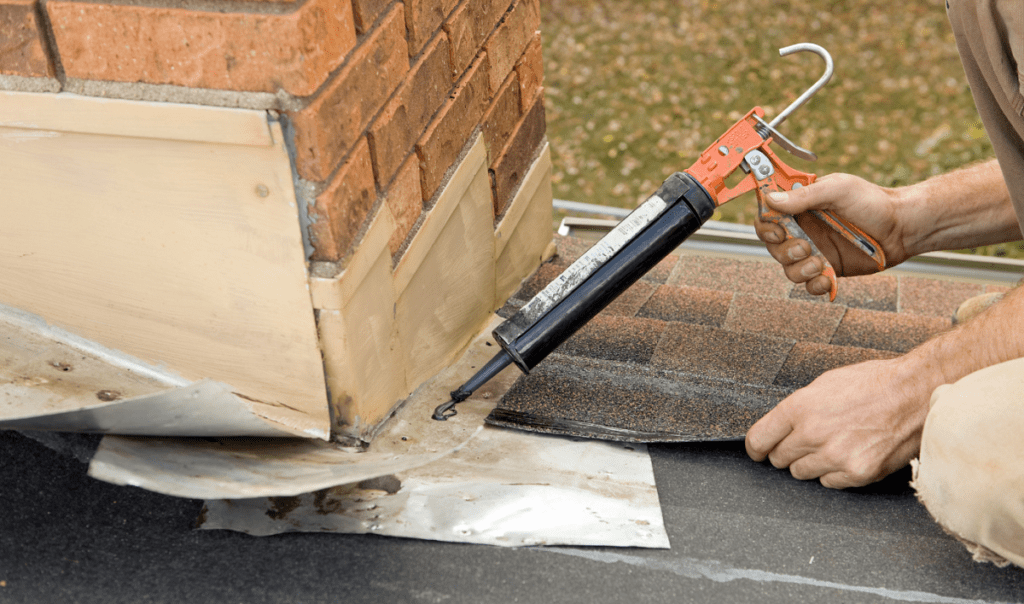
769,128
803,98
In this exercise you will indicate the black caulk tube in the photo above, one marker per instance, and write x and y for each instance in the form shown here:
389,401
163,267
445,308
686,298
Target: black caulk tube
642,239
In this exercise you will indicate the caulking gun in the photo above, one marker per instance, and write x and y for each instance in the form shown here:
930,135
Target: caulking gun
683,203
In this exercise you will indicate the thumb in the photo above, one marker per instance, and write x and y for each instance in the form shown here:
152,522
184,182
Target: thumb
820,195
791,202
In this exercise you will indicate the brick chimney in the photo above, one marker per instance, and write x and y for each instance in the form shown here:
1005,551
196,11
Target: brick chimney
415,132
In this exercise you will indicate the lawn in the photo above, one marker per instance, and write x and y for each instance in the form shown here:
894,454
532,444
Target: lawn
636,89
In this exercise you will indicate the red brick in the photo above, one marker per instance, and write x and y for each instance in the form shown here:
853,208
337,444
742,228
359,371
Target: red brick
501,118
508,42
204,49
530,70
405,117
366,12
469,26
422,19
327,128
460,29
405,201
447,135
339,211
487,15
508,170
22,49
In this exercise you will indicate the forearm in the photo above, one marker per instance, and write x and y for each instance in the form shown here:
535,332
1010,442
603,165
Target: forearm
995,336
968,207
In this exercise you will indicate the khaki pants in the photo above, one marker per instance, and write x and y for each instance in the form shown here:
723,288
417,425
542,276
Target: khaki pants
970,474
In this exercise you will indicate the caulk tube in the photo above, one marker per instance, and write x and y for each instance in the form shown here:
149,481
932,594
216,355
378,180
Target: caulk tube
689,208
587,264
636,245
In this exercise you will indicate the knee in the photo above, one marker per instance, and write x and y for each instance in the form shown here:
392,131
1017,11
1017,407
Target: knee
970,474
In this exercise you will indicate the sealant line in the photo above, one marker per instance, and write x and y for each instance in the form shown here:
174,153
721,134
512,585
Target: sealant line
693,568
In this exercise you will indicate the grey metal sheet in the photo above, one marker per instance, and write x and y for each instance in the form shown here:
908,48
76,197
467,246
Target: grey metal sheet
504,487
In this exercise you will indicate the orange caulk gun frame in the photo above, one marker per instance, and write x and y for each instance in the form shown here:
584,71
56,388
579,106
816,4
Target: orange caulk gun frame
746,146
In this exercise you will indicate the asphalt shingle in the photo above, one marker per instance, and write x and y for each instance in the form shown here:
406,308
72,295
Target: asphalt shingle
886,330
784,318
934,298
688,305
874,292
715,346
754,276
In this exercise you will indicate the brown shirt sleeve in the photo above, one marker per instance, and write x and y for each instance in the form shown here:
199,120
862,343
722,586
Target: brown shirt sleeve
990,37
1011,13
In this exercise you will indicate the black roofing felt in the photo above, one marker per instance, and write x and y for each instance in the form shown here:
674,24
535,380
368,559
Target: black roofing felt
740,532
704,346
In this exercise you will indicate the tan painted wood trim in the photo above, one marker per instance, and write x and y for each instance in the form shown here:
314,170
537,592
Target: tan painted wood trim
169,121
531,182
438,217
184,254
335,292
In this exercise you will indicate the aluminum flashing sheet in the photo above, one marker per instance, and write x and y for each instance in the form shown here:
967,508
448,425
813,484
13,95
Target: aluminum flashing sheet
258,467
456,480
51,379
240,468
503,487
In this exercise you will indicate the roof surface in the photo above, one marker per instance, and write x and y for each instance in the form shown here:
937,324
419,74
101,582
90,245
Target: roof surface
740,531
703,346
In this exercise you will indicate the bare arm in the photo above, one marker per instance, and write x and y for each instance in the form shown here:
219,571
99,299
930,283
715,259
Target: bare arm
968,207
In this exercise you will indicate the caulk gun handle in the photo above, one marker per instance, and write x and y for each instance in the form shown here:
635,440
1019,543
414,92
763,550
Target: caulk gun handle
864,242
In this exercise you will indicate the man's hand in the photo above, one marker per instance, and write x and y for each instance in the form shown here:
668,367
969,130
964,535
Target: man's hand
969,207
850,427
871,208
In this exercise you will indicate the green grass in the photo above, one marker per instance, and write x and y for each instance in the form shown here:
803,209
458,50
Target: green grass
636,89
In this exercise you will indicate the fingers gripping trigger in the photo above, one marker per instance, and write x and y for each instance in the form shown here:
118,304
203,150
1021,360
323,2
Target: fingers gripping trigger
793,231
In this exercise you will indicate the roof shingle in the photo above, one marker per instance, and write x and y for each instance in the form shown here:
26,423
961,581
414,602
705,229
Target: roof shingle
703,346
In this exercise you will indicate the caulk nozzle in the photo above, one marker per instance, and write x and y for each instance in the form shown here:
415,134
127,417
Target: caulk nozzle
489,370
443,412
